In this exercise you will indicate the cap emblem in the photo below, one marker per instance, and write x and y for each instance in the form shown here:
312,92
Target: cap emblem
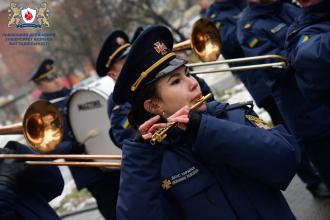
120,41
160,48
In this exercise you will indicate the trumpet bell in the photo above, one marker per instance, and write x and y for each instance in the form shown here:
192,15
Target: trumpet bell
205,40
43,126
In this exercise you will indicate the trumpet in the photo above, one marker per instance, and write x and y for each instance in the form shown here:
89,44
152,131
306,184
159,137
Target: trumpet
161,134
42,126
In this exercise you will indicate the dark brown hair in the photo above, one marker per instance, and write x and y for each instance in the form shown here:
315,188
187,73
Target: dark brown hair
138,115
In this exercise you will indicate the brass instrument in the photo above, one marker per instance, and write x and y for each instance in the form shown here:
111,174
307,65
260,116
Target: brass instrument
113,165
204,41
281,63
42,126
160,134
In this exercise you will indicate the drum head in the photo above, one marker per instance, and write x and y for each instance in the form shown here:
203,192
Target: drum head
89,118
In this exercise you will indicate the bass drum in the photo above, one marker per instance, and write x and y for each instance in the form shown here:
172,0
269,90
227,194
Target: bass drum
89,119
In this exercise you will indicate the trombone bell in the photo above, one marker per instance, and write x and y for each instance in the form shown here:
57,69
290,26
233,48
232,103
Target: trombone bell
204,41
42,126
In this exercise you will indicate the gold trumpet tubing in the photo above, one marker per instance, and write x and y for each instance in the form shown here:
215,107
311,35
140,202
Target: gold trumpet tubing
160,134
12,129
61,156
242,68
241,60
74,163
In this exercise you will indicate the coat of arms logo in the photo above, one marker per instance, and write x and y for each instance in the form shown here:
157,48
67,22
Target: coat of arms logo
22,17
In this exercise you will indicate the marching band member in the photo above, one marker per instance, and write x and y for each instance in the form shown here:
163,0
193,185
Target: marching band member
110,62
308,49
224,14
218,163
266,22
24,197
103,185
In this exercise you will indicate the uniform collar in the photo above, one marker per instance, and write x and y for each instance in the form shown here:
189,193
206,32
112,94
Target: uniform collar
54,95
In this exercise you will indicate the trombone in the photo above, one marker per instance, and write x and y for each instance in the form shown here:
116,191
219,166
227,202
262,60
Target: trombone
113,165
205,42
42,127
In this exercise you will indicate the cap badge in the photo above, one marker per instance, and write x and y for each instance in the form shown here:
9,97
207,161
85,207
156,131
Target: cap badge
160,48
120,40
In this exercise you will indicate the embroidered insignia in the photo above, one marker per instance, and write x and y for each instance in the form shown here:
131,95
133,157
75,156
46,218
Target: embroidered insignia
303,39
258,122
218,24
124,123
247,26
160,48
180,177
277,28
253,42
166,184
120,40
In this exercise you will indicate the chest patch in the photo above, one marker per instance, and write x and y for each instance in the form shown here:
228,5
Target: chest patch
277,28
180,177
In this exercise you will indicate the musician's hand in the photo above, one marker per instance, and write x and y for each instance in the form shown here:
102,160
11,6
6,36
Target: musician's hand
181,117
149,127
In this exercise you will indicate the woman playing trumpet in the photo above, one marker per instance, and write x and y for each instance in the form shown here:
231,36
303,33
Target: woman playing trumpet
216,163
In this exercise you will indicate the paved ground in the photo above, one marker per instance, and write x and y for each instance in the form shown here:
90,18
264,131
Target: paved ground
303,205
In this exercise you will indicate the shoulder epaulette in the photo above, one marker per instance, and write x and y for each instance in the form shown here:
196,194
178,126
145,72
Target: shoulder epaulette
229,107
239,105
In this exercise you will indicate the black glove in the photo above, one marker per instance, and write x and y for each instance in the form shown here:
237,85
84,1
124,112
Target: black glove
10,169
194,122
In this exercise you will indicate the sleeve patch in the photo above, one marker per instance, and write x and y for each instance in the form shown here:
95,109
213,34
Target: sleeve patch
253,42
124,123
303,39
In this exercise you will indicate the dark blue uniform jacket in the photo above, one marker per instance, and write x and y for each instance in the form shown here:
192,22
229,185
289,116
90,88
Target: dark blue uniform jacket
268,25
83,176
36,187
224,15
309,45
230,170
